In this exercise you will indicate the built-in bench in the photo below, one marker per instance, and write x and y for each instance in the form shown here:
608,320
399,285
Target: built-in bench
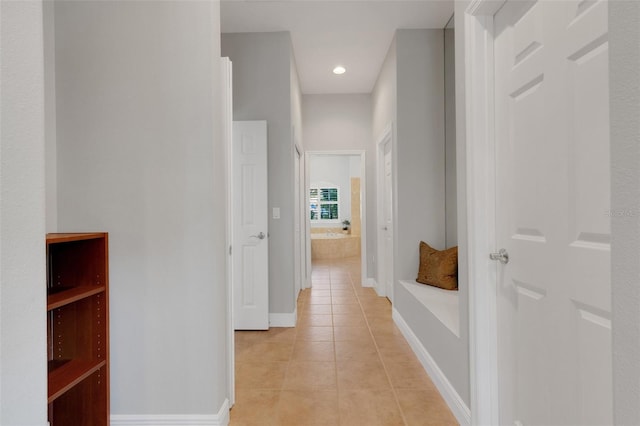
443,304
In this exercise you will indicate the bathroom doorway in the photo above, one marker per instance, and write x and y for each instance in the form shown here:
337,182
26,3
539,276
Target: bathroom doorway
335,193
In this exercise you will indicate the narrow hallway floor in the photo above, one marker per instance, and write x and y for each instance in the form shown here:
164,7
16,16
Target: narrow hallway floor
346,363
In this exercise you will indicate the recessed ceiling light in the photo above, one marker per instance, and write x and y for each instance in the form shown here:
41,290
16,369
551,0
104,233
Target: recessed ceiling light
339,70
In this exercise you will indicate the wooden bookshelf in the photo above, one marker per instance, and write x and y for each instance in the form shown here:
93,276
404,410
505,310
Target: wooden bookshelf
78,329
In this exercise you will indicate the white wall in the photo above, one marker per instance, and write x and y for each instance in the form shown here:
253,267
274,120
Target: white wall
51,162
420,195
344,123
451,201
410,92
262,90
384,105
140,155
624,80
23,361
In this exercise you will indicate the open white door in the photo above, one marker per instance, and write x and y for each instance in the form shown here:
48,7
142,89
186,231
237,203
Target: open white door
250,249
552,199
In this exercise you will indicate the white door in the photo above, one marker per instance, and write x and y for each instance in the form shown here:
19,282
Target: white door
297,246
388,221
250,249
552,199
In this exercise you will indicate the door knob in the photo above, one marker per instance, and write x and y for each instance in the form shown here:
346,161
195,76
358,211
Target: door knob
501,256
260,236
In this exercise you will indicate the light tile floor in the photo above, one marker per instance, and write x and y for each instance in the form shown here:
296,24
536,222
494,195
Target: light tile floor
346,363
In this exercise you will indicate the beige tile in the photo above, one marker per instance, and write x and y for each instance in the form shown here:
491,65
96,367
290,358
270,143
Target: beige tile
359,334
310,375
349,320
319,300
380,321
308,408
342,292
313,351
386,329
394,349
425,408
316,334
341,286
347,309
349,350
264,352
319,309
344,300
369,407
361,374
391,341
373,301
255,407
362,291
274,334
321,285
318,292
408,375
260,375
315,320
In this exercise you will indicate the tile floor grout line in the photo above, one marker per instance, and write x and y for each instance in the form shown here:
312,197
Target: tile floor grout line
384,367
284,402
335,355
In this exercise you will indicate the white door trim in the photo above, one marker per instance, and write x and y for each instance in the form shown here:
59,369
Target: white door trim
363,206
481,227
383,139
227,129
300,211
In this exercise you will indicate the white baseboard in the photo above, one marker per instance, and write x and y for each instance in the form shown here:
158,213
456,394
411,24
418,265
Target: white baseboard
220,419
370,282
448,392
283,320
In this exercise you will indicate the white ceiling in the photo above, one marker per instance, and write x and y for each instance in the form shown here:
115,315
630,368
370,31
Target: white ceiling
355,34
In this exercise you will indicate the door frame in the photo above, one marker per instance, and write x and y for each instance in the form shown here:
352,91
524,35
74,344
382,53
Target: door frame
385,138
481,195
363,206
227,134
480,167
481,226
298,153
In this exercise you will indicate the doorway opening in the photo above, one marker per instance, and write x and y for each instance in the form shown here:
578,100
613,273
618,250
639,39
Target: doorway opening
335,197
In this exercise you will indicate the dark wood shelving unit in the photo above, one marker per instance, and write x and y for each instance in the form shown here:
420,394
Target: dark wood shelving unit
78,329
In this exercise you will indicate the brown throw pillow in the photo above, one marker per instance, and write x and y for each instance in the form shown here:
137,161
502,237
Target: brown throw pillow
438,268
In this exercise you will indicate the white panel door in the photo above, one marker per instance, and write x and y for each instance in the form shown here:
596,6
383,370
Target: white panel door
250,249
552,199
388,221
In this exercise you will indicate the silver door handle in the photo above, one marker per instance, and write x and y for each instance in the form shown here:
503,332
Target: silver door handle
501,256
260,236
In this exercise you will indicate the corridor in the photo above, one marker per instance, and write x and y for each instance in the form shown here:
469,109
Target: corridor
346,363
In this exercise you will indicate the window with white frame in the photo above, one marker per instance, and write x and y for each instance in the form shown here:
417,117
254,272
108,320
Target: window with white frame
324,204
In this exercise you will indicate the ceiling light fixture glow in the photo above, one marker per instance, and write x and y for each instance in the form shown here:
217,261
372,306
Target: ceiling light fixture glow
339,70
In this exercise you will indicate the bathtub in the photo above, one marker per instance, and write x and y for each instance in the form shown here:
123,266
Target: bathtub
334,245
